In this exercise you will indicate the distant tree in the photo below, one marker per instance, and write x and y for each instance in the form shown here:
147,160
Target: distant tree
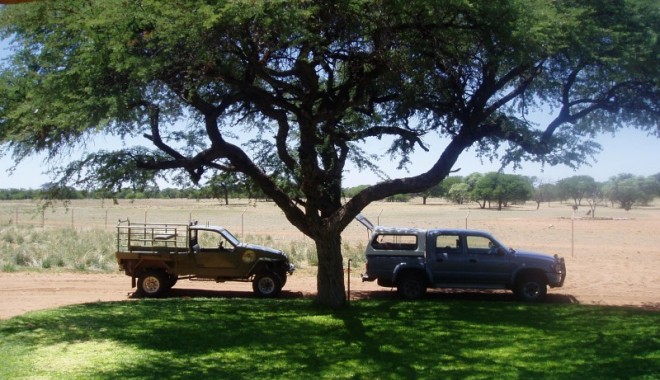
544,192
471,180
222,185
576,188
594,197
353,191
19,194
650,187
446,185
459,193
434,191
628,190
50,190
502,189
171,193
441,189
656,178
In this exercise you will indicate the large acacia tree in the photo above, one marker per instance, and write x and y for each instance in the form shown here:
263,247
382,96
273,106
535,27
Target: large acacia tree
289,92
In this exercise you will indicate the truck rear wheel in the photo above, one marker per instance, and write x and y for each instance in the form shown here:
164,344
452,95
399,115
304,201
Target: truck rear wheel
152,283
267,284
411,286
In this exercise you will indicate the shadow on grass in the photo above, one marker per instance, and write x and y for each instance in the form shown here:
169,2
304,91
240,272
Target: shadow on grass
219,334
434,294
463,295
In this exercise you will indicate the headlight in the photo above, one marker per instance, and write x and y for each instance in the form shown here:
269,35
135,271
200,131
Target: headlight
558,266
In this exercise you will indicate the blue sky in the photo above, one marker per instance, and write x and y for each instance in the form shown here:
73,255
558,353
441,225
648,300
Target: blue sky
630,151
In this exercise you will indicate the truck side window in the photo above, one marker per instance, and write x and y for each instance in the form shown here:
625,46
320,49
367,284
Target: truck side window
211,240
395,242
448,243
480,245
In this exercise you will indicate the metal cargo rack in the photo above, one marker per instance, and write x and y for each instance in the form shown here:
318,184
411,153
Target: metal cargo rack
152,237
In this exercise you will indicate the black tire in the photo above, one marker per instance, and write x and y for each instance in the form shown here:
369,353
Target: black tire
411,286
283,277
172,279
531,288
152,284
267,285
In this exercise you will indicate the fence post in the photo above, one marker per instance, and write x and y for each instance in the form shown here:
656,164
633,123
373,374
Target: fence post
348,299
573,233
242,224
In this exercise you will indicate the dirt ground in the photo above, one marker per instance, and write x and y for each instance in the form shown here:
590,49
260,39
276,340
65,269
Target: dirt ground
28,291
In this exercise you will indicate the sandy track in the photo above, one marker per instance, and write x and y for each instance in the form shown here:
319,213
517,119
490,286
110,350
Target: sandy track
22,292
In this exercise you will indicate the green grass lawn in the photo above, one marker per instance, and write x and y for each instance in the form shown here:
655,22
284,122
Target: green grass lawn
375,339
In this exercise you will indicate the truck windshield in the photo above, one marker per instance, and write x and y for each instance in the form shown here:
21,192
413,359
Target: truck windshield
228,235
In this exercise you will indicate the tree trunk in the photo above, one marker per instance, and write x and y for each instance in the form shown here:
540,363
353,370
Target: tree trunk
330,277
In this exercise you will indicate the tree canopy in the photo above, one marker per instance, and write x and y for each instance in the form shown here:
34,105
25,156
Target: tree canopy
289,92
502,189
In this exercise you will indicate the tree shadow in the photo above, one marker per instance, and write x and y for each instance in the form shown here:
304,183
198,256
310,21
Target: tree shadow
384,294
208,293
463,295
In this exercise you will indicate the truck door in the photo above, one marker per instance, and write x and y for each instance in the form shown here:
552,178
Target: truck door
214,251
488,262
447,258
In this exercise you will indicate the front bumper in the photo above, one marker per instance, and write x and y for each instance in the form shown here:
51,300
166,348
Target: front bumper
556,279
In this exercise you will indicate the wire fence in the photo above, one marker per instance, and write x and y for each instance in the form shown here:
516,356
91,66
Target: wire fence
261,224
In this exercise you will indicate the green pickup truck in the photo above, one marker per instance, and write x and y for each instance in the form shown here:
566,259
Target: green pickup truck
156,256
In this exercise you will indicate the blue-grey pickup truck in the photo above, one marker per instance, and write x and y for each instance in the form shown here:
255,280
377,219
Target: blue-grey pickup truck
413,260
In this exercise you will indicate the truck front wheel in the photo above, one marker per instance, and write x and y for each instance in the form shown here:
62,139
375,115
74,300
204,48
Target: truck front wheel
267,284
531,287
152,283
411,286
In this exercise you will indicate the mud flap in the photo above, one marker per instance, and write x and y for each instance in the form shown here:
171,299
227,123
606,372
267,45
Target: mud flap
133,284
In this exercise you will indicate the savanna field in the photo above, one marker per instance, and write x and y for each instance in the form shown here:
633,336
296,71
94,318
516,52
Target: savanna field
613,258
601,324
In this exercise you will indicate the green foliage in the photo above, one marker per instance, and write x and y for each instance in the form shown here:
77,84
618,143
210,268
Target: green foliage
459,193
501,189
577,188
278,339
627,190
